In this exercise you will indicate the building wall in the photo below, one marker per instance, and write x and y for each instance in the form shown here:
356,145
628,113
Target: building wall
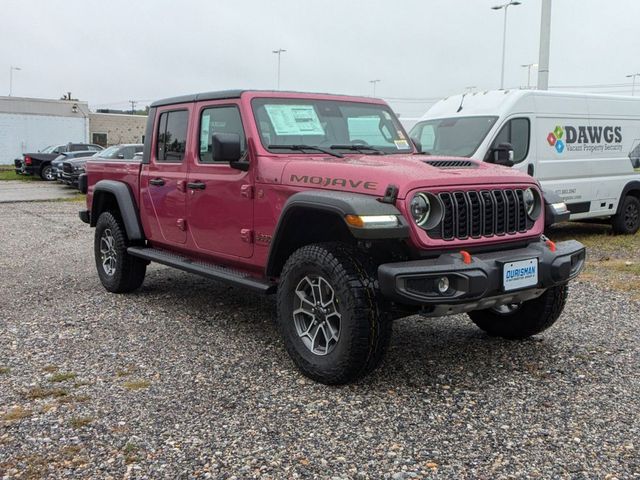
22,133
119,128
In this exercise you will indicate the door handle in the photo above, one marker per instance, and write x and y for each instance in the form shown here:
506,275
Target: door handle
158,182
530,169
196,185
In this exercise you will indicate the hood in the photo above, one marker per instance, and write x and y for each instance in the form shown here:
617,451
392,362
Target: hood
372,174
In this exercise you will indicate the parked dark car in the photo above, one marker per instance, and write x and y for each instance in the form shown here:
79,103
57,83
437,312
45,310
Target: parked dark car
56,164
40,163
71,169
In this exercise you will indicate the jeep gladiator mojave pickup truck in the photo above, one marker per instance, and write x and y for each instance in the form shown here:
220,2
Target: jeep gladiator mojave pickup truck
322,200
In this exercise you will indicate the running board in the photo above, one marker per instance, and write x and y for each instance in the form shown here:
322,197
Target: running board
208,270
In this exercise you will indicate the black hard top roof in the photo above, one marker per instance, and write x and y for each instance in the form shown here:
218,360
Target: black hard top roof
219,95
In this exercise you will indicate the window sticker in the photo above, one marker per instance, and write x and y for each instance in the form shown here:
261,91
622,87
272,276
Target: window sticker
204,134
402,144
294,119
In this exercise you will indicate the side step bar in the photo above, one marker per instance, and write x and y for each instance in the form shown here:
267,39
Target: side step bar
208,270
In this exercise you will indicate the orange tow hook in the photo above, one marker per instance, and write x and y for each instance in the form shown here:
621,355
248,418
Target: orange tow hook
466,256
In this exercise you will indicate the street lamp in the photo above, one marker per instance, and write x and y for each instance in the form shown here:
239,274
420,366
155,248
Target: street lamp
374,82
528,66
633,85
504,6
11,69
279,52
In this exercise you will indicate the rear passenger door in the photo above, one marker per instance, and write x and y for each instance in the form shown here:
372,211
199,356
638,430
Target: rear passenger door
163,183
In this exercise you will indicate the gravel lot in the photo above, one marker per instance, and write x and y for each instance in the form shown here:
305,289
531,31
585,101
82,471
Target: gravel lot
187,378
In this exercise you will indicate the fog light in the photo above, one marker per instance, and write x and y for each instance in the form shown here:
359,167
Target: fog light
443,284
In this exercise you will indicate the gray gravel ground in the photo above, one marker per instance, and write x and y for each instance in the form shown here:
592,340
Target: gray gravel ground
187,378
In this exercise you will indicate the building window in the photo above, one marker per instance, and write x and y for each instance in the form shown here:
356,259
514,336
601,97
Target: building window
99,139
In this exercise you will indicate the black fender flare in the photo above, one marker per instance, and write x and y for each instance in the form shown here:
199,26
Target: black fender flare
339,204
551,215
629,187
126,205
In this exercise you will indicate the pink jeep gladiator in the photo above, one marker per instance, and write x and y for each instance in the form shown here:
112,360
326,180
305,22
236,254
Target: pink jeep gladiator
324,201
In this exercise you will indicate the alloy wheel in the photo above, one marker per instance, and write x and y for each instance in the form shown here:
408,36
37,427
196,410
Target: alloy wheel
108,252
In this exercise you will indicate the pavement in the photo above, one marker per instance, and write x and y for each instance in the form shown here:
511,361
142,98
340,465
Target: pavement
187,378
19,191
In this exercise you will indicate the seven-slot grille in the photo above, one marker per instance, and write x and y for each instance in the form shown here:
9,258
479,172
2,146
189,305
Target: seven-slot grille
481,214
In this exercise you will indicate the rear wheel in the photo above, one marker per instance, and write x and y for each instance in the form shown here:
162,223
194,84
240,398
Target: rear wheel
628,220
119,272
46,173
329,313
522,320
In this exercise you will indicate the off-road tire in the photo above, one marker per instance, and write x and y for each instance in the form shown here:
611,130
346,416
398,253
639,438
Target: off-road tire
627,222
46,173
532,317
129,271
365,328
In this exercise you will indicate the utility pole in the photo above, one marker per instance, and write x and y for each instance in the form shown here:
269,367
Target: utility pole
528,66
633,85
545,43
374,82
504,6
279,52
11,69
133,106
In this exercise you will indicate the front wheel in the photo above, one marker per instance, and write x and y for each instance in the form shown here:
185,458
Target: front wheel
329,313
628,220
518,321
119,272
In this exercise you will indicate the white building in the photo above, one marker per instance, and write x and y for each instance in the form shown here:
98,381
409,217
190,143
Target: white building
30,124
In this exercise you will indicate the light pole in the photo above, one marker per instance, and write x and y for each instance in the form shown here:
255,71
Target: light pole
633,85
279,52
504,6
374,82
11,69
528,66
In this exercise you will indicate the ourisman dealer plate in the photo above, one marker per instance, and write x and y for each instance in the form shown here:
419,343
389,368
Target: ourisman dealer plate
521,274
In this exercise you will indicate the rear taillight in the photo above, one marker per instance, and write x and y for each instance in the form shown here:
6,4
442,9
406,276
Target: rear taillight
27,160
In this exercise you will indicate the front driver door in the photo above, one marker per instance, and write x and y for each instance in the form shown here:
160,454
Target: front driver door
220,198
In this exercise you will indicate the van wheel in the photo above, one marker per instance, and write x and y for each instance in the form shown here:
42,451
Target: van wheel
119,272
330,313
522,320
628,220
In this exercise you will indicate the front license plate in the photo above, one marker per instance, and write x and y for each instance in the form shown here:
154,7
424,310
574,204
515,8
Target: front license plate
522,274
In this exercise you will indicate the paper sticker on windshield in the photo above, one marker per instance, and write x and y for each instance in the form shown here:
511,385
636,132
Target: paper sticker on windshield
402,144
204,133
294,119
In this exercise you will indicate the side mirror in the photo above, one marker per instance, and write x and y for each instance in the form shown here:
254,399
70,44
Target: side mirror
502,155
121,156
226,147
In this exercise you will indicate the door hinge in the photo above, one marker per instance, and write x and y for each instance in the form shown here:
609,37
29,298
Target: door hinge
246,191
182,186
181,223
247,235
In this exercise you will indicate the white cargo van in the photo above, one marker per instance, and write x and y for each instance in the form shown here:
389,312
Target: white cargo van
583,147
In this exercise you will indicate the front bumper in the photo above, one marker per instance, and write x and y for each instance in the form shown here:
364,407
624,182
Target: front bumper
479,283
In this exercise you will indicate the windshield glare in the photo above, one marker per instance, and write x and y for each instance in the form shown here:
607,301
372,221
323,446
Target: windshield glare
111,152
325,123
48,149
456,137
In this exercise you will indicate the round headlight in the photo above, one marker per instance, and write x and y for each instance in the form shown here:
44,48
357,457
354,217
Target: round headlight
420,208
532,203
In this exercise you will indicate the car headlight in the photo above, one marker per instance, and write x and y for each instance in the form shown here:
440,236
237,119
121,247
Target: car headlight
532,203
78,169
420,208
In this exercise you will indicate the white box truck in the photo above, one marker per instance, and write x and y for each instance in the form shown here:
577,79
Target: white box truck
583,147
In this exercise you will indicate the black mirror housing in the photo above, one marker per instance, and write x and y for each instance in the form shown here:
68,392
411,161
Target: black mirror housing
502,155
226,147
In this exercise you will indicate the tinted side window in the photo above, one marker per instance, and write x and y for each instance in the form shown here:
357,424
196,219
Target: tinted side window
218,120
172,136
516,132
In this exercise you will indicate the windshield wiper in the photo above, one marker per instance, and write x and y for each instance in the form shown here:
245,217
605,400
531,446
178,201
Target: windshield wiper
357,148
305,147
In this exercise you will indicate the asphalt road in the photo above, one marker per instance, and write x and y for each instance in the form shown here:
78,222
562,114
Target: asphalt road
19,191
187,378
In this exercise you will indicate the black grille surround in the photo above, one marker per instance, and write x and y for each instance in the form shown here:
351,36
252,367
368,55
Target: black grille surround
67,168
483,213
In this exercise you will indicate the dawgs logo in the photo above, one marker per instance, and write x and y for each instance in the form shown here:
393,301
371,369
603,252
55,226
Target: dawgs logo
328,181
592,139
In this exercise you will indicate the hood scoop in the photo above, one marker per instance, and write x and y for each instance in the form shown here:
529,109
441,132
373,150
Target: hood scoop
451,163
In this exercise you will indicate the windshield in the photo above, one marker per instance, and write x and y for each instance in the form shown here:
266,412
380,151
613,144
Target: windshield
111,152
328,124
48,149
456,137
